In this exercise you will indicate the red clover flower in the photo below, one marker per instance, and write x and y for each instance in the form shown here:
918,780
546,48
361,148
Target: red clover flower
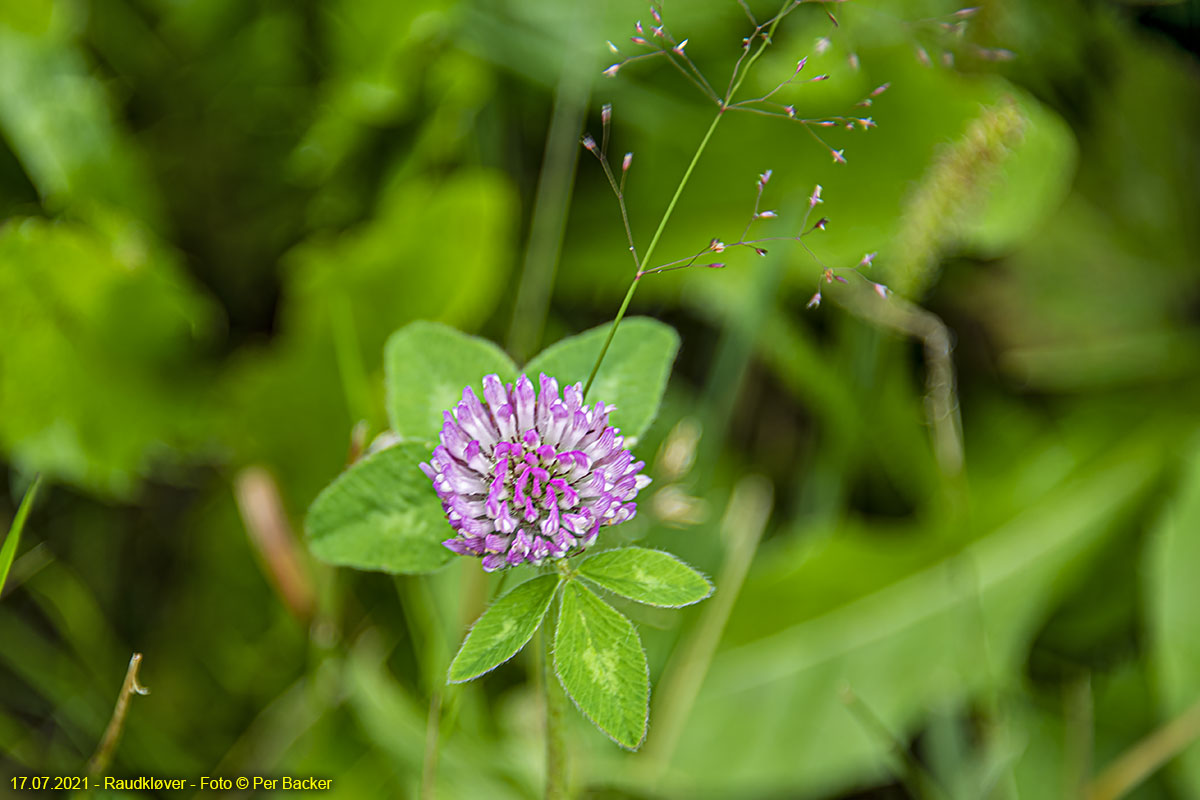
526,477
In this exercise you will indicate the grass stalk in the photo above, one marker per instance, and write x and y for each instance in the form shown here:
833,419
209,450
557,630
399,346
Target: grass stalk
662,224
552,201
909,771
353,373
116,724
740,72
742,526
9,550
1146,757
941,398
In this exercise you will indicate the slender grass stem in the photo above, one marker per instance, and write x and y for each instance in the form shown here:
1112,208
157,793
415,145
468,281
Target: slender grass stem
551,204
116,724
910,772
662,224
619,191
427,627
941,394
735,83
432,740
1147,756
353,373
743,525
9,550
1078,741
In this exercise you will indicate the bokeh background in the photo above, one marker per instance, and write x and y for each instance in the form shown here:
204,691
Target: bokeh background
216,212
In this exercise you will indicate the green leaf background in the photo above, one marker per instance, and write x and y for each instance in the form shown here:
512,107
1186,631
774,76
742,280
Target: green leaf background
216,214
1172,598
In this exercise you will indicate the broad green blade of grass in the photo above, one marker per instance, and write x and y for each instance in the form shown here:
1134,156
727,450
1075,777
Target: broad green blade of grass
1172,595
9,550
930,633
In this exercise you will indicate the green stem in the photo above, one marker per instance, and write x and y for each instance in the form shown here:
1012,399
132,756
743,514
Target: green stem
116,724
743,524
556,746
552,201
1147,756
432,740
9,550
355,385
908,770
662,224
419,606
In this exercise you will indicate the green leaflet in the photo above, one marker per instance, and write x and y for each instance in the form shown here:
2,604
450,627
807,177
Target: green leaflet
647,576
427,365
381,514
504,629
599,660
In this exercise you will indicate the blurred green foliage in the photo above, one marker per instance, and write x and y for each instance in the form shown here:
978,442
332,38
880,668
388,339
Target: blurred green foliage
215,214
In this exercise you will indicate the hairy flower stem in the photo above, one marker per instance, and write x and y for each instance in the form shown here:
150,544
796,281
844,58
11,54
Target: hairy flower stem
556,746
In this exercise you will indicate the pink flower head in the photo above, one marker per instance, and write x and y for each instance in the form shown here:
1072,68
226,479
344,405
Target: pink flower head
525,475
